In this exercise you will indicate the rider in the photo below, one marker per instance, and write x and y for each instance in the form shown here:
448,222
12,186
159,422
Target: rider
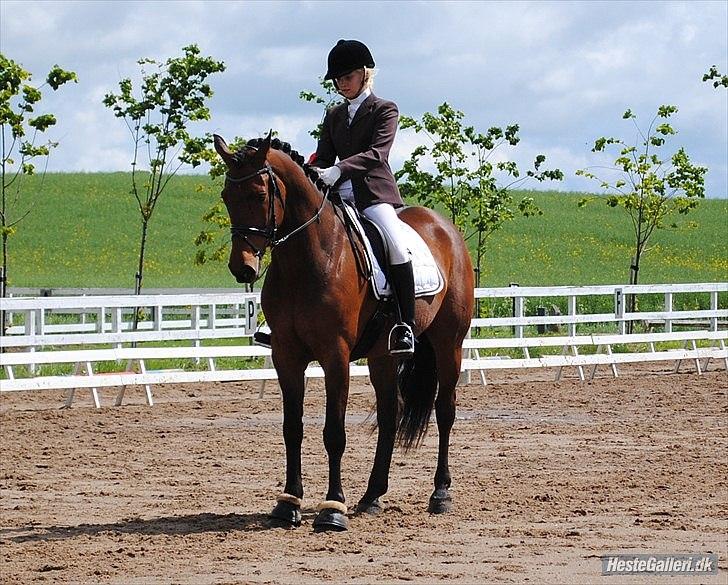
360,133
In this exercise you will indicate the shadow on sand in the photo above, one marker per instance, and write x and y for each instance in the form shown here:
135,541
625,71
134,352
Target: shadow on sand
173,525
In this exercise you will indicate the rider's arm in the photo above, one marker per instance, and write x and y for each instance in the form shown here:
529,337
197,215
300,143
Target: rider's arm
325,151
385,128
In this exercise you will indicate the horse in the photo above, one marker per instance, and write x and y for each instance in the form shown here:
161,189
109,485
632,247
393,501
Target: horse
318,304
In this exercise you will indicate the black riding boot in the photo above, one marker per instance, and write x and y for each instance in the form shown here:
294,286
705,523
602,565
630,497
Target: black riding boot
402,338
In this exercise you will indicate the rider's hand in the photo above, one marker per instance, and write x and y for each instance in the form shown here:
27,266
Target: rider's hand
330,175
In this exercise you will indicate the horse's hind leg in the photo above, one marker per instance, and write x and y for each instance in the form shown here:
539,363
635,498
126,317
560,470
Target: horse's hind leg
448,371
382,372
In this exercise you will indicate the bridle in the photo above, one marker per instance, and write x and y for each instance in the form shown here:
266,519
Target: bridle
268,233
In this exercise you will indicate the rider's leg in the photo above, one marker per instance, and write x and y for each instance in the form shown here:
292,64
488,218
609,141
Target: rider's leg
401,276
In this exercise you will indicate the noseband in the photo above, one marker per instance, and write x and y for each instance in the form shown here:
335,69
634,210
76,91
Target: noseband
269,231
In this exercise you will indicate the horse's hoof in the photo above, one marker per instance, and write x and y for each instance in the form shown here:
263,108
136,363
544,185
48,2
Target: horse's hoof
372,508
329,519
286,514
440,502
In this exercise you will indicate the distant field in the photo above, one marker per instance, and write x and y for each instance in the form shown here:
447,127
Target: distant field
84,232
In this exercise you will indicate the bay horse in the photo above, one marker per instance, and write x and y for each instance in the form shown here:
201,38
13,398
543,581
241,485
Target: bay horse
318,304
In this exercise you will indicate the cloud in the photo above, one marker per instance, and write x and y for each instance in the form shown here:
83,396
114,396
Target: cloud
564,72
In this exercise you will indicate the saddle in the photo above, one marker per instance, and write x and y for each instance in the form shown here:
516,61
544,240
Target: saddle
374,263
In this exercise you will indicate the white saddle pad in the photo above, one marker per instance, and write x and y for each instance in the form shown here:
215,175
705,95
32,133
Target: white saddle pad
428,279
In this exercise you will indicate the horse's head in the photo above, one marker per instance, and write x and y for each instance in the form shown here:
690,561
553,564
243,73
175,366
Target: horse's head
254,202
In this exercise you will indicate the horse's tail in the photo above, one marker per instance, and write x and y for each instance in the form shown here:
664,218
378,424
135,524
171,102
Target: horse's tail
417,385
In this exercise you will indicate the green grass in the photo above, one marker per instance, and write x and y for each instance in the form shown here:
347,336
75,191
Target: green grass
84,229
569,245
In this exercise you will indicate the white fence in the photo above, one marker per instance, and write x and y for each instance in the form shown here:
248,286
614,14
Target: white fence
92,333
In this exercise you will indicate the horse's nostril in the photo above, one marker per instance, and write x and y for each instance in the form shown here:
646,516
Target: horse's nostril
247,274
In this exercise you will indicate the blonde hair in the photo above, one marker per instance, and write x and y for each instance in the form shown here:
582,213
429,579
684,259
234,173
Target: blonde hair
369,75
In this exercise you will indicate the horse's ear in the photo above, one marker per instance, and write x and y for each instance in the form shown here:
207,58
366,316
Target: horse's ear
262,152
222,149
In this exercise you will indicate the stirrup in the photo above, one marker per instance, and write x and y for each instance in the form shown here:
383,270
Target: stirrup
401,340
261,338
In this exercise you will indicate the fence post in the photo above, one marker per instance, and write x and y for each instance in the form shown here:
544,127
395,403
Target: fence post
30,329
668,309
619,309
116,321
195,322
517,311
102,320
714,307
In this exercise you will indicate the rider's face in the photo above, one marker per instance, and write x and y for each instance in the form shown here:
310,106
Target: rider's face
350,85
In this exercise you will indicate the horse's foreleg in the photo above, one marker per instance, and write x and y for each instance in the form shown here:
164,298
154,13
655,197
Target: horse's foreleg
448,371
291,379
382,372
332,512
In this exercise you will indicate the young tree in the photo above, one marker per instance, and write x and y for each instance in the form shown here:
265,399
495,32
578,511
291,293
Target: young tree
212,242
646,185
475,191
328,100
171,95
20,130
716,77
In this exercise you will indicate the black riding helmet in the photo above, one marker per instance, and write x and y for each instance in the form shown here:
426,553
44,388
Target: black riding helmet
347,56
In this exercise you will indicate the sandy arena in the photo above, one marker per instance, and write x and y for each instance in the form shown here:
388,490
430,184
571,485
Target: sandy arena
547,477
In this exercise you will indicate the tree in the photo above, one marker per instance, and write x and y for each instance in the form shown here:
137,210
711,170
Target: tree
171,95
649,187
211,242
20,129
465,181
328,100
716,77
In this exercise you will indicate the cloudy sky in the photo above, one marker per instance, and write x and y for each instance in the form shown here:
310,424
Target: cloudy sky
564,71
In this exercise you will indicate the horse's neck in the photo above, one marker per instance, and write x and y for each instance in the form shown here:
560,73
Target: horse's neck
315,247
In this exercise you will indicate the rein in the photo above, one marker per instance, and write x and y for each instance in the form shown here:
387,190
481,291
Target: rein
269,231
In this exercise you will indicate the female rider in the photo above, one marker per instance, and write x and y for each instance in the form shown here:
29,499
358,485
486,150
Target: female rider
359,133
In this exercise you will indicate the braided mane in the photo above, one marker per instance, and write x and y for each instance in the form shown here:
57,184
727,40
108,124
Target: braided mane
285,147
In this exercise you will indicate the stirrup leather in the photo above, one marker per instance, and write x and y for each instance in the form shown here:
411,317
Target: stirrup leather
401,340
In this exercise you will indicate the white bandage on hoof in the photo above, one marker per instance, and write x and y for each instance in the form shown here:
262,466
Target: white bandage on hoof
290,499
332,505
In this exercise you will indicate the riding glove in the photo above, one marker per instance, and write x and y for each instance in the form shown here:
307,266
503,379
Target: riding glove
330,175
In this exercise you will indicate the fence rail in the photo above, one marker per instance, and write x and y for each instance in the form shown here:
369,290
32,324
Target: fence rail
86,330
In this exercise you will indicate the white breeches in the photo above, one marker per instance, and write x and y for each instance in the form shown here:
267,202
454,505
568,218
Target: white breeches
384,215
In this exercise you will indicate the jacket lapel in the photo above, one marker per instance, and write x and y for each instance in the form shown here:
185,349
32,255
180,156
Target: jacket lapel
364,109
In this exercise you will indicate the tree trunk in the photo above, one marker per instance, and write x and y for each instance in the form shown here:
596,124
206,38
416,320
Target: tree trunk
4,281
634,271
140,270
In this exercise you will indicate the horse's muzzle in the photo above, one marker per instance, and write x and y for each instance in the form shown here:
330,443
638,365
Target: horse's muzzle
245,275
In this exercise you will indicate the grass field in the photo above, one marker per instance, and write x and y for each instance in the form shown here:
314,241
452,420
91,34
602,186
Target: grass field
83,231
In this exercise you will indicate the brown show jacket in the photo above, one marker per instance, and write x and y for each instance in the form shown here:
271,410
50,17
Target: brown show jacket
362,149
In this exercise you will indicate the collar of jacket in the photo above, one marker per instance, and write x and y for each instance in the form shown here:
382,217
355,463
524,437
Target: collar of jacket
364,109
